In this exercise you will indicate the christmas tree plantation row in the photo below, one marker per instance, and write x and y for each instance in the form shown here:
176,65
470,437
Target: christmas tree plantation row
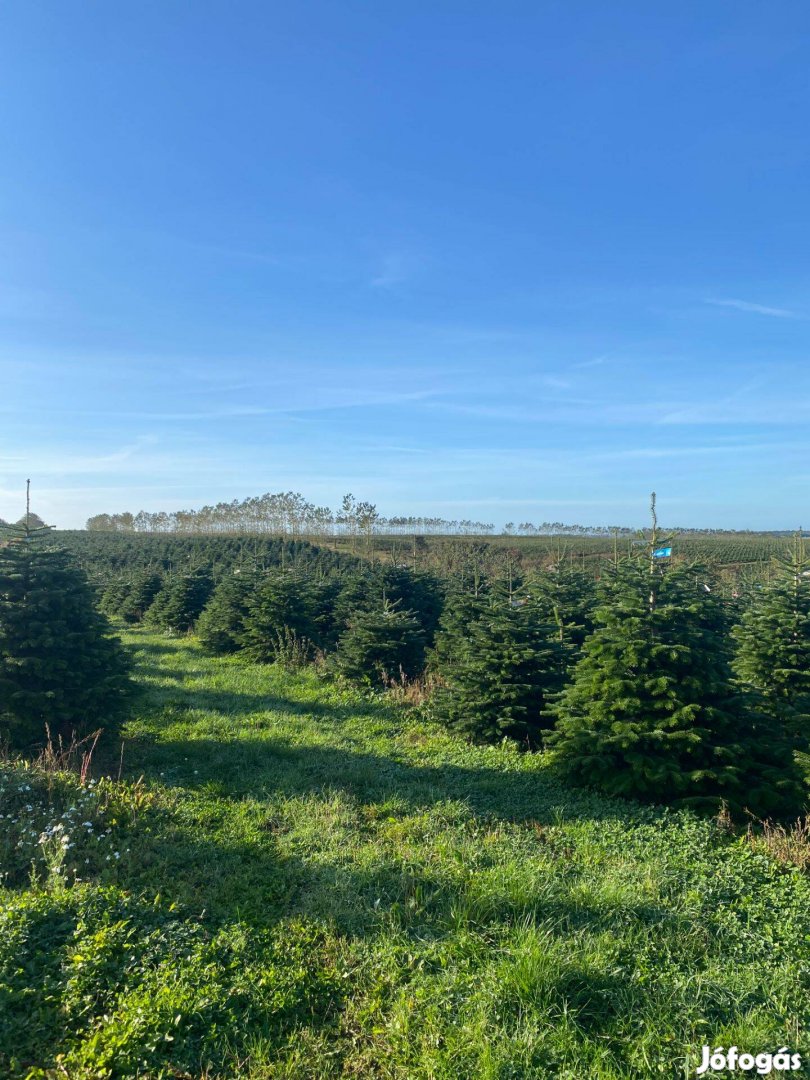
648,683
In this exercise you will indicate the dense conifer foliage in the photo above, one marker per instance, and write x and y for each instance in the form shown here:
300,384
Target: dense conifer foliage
506,663
280,620
773,657
417,591
652,709
59,665
773,639
382,645
462,609
630,681
113,560
130,597
221,627
565,597
180,601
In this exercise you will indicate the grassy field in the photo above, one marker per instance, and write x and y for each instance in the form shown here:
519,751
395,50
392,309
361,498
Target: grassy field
293,880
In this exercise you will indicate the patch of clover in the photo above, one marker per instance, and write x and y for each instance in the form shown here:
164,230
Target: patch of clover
55,831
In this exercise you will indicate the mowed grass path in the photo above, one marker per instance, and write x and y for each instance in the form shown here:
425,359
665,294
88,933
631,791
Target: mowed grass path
310,883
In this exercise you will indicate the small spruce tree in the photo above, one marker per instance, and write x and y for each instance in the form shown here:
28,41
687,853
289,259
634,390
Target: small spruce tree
59,664
773,658
462,609
139,596
565,597
773,640
651,710
114,595
324,593
130,597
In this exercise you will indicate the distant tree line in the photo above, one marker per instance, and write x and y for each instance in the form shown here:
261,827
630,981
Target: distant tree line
285,514
288,513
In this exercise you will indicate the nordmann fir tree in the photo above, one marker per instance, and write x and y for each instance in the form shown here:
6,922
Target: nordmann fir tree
565,598
773,657
59,664
129,596
651,709
773,638
140,595
462,609
180,601
221,626
279,625
381,645
503,673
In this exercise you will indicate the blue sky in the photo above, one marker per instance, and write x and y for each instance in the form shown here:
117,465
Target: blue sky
516,261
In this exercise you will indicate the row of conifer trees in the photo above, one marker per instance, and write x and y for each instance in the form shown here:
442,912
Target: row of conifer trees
646,683
373,624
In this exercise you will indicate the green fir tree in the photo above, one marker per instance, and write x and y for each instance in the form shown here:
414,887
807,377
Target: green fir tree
565,597
139,596
506,665
280,622
463,608
773,658
59,664
651,710
381,646
773,639
180,601
221,625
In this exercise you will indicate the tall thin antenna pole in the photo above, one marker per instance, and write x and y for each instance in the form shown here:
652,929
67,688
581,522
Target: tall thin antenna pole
653,546
27,505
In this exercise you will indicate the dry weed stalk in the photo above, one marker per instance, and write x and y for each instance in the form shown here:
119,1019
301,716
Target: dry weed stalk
406,691
788,844
75,756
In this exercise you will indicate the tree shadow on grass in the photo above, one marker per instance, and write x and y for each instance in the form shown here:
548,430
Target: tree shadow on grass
248,758
202,856
543,963
262,765
183,694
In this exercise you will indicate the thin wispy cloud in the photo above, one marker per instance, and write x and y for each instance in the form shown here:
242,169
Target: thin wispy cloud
760,400
140,456
224,413
735,449
596,362
756,309
554,382
334,401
